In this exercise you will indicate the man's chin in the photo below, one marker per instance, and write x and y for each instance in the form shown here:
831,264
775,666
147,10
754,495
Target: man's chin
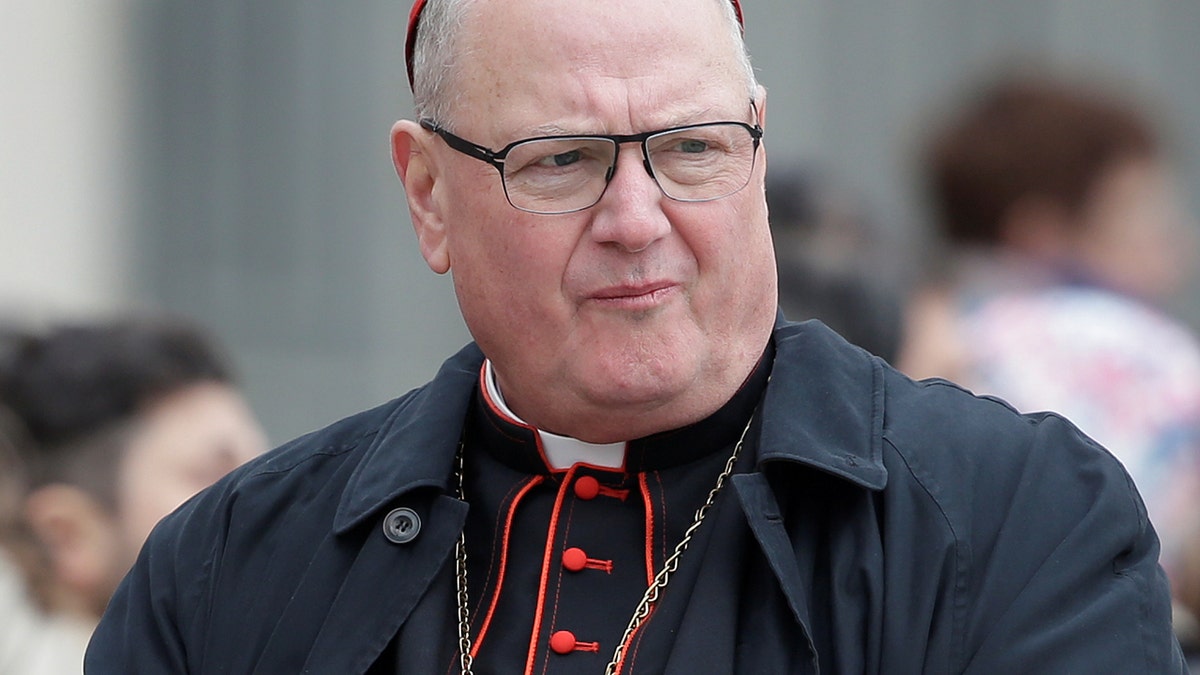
638,387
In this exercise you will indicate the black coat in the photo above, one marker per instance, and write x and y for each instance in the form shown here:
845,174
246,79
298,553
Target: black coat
890,526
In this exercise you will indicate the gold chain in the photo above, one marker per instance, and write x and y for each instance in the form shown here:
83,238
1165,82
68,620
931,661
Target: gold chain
648,599
460,579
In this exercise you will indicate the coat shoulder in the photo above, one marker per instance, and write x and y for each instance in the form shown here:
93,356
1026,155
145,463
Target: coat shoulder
1048,530
959,444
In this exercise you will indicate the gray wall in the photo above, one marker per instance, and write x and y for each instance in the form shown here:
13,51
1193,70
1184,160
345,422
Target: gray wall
271,211
853,83
267,206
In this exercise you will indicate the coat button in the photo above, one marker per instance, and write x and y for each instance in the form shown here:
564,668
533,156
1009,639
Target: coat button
574,559
562,642
401,525
587,487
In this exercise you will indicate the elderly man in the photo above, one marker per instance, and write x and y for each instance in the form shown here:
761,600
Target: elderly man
637,468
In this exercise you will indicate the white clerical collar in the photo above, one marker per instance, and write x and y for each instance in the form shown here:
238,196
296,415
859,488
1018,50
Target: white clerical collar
561,451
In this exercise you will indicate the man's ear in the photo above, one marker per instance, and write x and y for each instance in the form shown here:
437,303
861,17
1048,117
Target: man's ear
80,538
761,106
418,173
760,102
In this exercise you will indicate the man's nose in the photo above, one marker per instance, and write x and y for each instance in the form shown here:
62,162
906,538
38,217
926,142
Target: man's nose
630,211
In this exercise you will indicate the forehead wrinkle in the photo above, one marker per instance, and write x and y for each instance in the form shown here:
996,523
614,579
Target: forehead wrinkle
660,117
609,93
589,125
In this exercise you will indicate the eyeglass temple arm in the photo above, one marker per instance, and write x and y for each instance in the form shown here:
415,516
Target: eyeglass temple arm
463,145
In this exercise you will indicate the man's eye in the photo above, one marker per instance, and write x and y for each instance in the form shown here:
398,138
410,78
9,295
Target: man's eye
692,145
561,159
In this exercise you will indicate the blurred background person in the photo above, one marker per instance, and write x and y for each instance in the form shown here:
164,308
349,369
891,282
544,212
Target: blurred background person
1064,233
124,421
31,642
832,260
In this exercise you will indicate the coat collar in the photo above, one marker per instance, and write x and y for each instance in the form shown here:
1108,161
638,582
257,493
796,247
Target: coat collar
816,410
416,445
813,414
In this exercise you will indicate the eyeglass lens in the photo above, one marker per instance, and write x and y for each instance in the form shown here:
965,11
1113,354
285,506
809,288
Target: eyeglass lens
560,175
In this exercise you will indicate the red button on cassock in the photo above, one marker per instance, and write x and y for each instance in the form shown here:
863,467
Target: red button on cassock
587,487
574,559
562,642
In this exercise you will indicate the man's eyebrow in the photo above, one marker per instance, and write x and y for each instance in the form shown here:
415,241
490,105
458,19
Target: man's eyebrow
681,119
552,129
695,117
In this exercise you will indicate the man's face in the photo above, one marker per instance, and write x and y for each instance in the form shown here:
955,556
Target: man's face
175,447
1136,232
641,313
181,445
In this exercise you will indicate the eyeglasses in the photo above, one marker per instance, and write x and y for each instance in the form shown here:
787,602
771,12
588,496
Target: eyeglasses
564,174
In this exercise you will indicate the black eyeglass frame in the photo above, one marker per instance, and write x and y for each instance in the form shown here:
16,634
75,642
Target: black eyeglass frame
496,157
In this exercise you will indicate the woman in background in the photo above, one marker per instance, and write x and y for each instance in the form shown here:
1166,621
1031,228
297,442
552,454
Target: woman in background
1064,235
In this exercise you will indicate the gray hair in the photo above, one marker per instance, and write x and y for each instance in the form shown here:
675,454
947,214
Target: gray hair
434,57
437,50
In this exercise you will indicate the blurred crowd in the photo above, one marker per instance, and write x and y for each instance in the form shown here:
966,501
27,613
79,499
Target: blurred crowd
1064,235
105,427
1060,235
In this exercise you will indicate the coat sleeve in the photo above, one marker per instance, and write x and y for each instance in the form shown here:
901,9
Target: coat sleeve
155,613
1063,573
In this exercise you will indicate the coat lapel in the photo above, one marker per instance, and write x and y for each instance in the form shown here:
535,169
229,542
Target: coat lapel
766,522
358,590
380,590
